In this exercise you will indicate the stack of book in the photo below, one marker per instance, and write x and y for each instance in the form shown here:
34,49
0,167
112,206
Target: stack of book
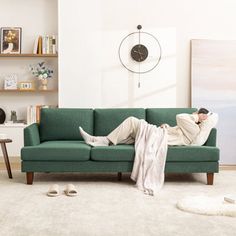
3,136
33,113
45,45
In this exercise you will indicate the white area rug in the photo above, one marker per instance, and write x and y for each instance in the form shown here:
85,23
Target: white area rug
207,206
107,207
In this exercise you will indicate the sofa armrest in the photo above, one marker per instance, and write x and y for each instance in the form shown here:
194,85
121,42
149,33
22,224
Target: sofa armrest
31,135
211,141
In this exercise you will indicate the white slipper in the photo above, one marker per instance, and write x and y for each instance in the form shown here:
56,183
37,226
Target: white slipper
53,191
230,199
71,190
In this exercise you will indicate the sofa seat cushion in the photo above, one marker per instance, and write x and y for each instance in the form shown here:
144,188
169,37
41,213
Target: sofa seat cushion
57,151
113,153
174,154
192,154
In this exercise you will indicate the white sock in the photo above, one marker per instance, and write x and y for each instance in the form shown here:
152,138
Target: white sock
87,137
94,140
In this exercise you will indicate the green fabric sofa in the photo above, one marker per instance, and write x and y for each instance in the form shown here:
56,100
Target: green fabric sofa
55,145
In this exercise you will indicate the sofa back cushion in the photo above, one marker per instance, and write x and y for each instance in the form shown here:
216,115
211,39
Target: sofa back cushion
108,119
63,123
158,116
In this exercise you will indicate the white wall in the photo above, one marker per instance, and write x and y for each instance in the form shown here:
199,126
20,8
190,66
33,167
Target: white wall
84,25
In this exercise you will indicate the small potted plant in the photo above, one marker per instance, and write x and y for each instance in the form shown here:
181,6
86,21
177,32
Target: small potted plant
43,73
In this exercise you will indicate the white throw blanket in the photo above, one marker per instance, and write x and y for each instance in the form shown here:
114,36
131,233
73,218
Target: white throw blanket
150,157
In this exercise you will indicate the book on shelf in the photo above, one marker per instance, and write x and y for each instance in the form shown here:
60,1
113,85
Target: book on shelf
33,113
54,44
36,42
40,45
45,45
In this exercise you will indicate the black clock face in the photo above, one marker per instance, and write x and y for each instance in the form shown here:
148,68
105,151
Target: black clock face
139,53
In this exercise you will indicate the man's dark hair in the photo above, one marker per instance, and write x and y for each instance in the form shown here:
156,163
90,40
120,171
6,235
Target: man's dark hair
203,111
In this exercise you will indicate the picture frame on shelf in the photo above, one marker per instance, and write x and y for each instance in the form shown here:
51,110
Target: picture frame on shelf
10,82
27,85
11,40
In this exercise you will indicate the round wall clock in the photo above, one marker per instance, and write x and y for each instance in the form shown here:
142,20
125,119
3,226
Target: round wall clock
140,52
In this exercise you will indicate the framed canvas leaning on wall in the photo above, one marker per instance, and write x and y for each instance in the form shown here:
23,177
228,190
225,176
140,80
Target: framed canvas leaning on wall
11,40
214,87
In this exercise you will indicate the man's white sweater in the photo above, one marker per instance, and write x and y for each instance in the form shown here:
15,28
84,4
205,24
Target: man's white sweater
188,132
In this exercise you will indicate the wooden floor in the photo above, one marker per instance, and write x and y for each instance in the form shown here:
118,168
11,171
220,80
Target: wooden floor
17,166
14,166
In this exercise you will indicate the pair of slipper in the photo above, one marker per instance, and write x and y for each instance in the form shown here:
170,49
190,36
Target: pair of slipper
70,190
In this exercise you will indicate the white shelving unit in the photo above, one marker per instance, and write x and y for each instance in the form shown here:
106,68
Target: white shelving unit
45,15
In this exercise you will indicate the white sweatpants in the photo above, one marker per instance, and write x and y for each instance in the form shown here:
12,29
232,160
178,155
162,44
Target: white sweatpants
125,132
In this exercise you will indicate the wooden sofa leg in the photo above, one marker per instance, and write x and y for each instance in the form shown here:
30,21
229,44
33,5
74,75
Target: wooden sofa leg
119,176
30,177
210,178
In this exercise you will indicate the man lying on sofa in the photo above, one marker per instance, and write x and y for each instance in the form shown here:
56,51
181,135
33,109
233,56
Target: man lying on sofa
191,129
151,143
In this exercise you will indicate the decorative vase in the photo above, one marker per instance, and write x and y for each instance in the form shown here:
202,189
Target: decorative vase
9,49
2,116
44,84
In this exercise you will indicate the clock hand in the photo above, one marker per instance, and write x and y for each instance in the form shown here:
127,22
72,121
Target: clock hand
139,52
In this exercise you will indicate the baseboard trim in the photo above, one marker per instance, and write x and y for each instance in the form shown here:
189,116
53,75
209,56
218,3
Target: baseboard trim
15,163
14,166
227,167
